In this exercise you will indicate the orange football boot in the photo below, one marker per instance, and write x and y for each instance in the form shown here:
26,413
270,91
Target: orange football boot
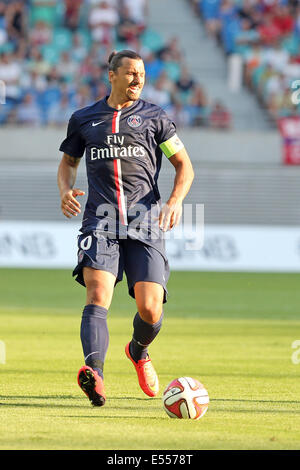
92,385
147,376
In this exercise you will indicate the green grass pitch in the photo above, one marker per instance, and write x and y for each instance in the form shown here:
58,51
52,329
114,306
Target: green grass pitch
231,331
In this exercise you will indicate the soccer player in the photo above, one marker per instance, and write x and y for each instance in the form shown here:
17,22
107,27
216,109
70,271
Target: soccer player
124,222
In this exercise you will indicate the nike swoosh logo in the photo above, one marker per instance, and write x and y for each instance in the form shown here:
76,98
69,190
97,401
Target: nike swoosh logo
97,123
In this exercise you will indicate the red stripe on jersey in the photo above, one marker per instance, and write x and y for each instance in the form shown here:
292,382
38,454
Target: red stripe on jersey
114,122
117,171
118,190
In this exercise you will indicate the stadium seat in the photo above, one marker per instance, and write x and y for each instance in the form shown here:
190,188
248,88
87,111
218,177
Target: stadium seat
59,14
62,39
7,47
229,30
209,8
47,99
291,44
46,14
50,53
4,111
173,70
85,37
152,40
257,74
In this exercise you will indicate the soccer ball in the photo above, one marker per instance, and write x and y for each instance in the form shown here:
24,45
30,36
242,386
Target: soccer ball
185,398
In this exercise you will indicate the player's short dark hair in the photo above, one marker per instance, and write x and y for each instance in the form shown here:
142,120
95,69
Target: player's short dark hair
115,58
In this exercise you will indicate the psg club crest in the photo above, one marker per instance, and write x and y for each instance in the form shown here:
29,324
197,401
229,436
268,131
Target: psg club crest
134,121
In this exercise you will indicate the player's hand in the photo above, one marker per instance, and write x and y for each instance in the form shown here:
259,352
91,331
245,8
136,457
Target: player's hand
170,215
69,204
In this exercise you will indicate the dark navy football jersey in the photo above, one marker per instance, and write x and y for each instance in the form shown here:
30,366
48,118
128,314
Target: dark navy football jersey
123,158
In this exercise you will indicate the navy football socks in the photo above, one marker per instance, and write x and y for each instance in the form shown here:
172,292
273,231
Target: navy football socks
94,336
143,334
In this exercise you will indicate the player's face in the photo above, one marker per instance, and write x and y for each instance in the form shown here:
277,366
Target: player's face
129,79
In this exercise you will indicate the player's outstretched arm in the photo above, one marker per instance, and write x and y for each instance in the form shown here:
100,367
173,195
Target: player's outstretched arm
66,177
171,212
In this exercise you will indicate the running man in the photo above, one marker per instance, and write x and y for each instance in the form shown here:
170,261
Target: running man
123,138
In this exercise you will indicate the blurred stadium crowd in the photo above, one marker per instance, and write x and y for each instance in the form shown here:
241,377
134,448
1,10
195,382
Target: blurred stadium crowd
53,57
266,34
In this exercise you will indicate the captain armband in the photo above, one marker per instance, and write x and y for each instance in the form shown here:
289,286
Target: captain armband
171,146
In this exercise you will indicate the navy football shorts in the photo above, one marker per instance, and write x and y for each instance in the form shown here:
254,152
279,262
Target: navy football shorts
140,262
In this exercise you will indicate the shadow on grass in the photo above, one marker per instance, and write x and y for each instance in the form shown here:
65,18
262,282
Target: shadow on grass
256,401
153,418
268,411
69,397
39,397
13,403
38,405
72,397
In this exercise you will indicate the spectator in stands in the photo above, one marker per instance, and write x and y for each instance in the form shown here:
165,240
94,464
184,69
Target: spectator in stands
267,73
10,74
253,58
246,36
228,11
137,11
59,113
40,34
72,14
170,64
171,50
127,29
37,63
79,50
275,85
86,66
51,95
3,31
28,113
138,46
297,21
66,67
229,25
112,3
276,56
3,7
184,86
248,10
280,105
153,67
292,69
21,49
34,82
179,114
16,20
283,19
102,90
95,79
99,55
167,83
195,4
102,19
157,93
269,31
198,106
185,83
268,6
219,117
83,97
